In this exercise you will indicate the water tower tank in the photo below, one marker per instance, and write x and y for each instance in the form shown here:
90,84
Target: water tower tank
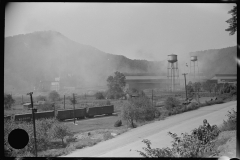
193,58
172,58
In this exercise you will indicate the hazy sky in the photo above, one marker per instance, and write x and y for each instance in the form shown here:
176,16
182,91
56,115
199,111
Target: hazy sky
148,31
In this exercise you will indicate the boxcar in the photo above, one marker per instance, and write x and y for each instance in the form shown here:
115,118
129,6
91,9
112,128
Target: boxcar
65,114
7,117
91,112
80,113
68,114
23,117
46,114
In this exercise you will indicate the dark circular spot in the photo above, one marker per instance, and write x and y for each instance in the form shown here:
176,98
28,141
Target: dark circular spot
18,138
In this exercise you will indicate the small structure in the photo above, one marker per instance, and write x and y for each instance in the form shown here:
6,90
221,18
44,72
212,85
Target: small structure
27,105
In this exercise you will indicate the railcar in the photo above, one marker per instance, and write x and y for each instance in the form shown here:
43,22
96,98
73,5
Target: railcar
69,114
45,114
7,117
23,117
93,111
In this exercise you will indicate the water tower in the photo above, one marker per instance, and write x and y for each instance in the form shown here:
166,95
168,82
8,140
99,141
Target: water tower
194,64
172,69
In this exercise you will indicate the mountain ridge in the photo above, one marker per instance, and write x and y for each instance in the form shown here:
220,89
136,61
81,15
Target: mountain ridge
44,55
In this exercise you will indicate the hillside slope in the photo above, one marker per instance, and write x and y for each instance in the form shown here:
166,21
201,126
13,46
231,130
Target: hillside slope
217,61
40,56
44,55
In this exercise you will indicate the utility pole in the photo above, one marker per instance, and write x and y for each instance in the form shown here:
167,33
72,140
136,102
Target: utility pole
185,83
74,101
33,117
64,101
152,97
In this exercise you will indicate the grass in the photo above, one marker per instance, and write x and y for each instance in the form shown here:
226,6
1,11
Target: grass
106,122
98,123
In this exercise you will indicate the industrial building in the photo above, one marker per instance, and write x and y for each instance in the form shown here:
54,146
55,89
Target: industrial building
225,78
159,82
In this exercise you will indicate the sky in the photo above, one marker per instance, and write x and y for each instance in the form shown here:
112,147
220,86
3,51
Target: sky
149,31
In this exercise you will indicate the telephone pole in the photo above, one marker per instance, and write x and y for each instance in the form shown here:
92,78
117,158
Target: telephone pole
64,101
33,117
152,97
185,83
74,101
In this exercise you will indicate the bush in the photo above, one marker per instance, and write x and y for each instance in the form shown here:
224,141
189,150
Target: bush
171,102
46,107
192,106
53,96
107,136
128,113
60,131
8,101
197,143
157,113
231,123
43,135
41,98
118,123
99,95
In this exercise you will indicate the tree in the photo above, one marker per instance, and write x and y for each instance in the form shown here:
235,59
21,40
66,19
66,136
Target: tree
53,96
144,111
128,113
60,131
8,101
190,89
232,21
116,84
197,87
73,100
99,95
171,102
41,98
208,86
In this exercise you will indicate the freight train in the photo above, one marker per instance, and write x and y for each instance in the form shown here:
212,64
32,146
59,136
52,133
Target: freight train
62,115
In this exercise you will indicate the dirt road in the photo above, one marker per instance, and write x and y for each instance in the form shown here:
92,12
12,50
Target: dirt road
125,145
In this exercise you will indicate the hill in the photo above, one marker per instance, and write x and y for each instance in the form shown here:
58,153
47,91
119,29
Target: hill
42,56
217,61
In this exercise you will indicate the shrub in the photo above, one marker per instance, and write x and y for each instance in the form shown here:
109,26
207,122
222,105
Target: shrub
53,96
60,131
42,134
157,113
171,102
128,113
86,142
99,95
118,123
45,107
144,111
231,123
197,143
192,106
107,136
8,101
41,98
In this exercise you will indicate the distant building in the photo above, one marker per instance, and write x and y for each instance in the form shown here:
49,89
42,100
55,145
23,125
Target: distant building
55,86
225,78
45,86
160,82
27,105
